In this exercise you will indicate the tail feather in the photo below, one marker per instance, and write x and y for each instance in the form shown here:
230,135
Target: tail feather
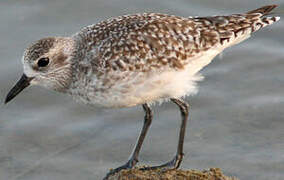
244,24
235,28
265,10
263,21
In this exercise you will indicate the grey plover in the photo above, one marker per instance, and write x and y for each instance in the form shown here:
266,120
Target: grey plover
137,60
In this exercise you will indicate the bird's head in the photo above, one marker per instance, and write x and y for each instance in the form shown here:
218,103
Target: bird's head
46,63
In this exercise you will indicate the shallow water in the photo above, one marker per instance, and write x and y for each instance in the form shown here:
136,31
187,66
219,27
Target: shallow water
237,118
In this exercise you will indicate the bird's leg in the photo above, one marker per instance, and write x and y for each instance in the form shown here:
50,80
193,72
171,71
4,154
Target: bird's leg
176,161
134,155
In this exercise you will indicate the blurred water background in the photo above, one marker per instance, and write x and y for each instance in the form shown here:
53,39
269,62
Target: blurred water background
237,118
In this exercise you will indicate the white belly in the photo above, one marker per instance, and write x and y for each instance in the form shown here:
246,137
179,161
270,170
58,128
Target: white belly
140,87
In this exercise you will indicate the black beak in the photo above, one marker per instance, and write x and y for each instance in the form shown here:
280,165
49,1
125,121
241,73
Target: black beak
21,84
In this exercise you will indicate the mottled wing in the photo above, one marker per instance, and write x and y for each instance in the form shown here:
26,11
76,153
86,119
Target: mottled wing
144,42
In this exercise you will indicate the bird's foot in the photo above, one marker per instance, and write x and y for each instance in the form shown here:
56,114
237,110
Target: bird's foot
129,165
173,164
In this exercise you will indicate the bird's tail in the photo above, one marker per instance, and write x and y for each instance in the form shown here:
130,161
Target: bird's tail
265,10
245,24
259,15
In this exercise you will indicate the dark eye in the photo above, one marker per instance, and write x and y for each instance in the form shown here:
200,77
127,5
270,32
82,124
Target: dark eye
42,62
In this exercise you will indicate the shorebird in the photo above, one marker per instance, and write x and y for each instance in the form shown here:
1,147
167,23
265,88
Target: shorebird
137,60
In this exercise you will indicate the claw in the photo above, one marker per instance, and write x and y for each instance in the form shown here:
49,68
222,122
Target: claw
173,164
129,165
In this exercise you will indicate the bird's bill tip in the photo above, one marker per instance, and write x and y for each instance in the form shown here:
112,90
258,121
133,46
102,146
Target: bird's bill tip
19,86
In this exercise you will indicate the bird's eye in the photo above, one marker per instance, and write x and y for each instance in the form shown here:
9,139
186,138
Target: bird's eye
42,62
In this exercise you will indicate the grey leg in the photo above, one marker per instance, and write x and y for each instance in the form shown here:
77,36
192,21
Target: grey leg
134,156
176,161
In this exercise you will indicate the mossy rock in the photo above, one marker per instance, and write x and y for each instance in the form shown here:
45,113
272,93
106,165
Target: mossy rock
136,174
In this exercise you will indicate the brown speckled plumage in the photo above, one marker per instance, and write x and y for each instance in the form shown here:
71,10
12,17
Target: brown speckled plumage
39,48
150,41
120,54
